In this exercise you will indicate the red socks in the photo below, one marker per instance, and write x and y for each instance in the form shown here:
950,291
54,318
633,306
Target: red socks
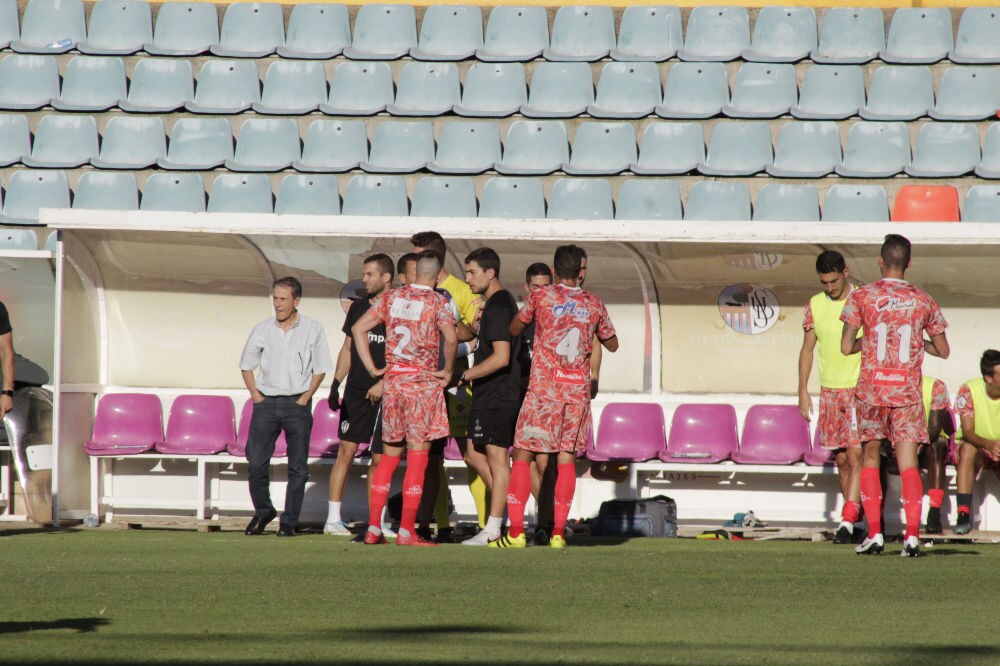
413,488
517,496
381,479
936,497
871,499
913,495
849,514
565,487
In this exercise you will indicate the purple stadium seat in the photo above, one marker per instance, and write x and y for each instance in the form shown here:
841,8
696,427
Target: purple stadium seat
200,424
239,448
325,436
703,433
817,454
629,431
451,450
126,423
773,435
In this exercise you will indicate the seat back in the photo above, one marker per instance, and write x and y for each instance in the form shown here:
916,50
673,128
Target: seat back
702,433
251,29
103,190
967,93
627,90
512,198
383,32
763,90
63,140
335,145
312,194
15,138
716,33
118,26
629,431
559,90
695,90
515,34
427,88
200,142
649,33
581,198
10,28
267,143
808,149
376,195
226,86
535,147
493,89
324,439
831,92
239,448
200,424
850,35
401,146
817,454
899,93
671,148
738,149
436,196
777,202
28,82
856,203
467,147
127,421
160,85
982,204
184,28
876,150
240,193
944,149
359,88
603,148
173,192
293,87
783,34
919,35
449,32
978,38
133,141
92,84
27,191
18,239
648,199
926,203
773,435
317,31
582,33
718,200
46,22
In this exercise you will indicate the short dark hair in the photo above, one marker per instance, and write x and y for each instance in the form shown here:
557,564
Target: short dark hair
990,360
567,261
896,252
405,259
486,257
290,282
830,261
428,263
537,268
383,260
430,240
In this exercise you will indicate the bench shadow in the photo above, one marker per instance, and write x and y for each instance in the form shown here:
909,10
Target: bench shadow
82,625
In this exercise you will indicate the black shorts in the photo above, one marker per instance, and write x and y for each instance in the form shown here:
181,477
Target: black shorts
492,426
361,421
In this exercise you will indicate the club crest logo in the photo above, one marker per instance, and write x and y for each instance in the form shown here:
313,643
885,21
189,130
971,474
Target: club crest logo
748,308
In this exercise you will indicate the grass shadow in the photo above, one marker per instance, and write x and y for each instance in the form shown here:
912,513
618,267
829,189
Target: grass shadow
82,625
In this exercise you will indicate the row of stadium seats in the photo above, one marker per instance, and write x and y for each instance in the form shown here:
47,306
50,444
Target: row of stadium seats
512,33
510,198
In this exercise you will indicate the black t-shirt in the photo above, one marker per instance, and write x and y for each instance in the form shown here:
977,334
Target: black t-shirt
500,390
358,379
4,320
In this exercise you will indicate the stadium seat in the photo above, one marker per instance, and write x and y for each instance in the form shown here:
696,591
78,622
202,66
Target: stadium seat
899,93
241,193
763,90
493,90
466,148
91,84
376,195
200,425
581,199
383,32
695,90
649,33
324,438
515,34
856,203
131,142
716,33
439,196
312,194
831,92
400,147
27,191
818,456
773,435
334,146
18,239
989,165
926,203
239,448
602,149
226,86
738,149
15,139
426,89
180,192
449,32
850,35
512,198
534,147
292,88
670,148
10,29
648,199
559,90
118,27
112,191
159,85
28,82
718,200
782,34
875,150
250,30
807,149
777,202
701,433
945,150
316,32
63,142
919,35
629,431
978,38
266,144
126,423
982,204
184,29
359,89
584,33
198,143
967,93
452,451
51,26
627,90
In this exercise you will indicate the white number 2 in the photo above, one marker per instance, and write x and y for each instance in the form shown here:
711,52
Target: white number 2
404,339
569,346
882,332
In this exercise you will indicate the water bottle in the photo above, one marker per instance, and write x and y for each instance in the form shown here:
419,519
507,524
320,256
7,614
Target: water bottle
91,520
63,43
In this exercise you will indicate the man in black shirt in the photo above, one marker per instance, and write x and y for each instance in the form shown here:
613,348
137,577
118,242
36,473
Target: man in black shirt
6,362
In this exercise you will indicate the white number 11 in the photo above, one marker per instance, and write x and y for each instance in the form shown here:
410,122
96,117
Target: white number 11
904,332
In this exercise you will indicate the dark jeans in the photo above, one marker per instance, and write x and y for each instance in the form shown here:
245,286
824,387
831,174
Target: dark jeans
270,417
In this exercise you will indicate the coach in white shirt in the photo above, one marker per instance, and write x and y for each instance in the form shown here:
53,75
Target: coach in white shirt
293,356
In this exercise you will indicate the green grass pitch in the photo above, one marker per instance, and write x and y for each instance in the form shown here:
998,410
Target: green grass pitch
160,596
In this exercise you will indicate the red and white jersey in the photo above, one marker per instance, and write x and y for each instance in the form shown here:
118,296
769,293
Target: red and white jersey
894,315
414,316
566,319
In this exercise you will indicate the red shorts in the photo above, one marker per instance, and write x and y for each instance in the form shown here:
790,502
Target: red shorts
549,426
897,424
989,461
413,408
838,421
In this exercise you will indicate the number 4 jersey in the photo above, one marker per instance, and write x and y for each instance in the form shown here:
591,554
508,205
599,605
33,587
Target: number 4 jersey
894,314
414,316
566,319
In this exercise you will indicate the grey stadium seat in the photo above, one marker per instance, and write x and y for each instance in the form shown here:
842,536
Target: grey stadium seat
875,150
695,90
493,90
15,139
333,146
316,32
51,26
241,193
132,142
559,90
945,150
63,142
466,148
426,89
314,194
18,239
649,33
449,32
180,192
383,32
982,204
400,147
899,93
28,82
978,38
436,196
850,35
763,90
581,33
831,92
718,200
989,166
359,89
670,148
376,195
184,29
266,144
809,149
602,149
292,87
250,30
27,191
159,85
118,27
967,93
111,191
738,149
512,198
627,90
91,84
10,28
716,33
534,147
581,198
856,203
787,203
782,34
515,34
198,143
648,199
225,86
919,35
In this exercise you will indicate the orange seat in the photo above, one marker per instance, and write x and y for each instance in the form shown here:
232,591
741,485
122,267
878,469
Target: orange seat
926,203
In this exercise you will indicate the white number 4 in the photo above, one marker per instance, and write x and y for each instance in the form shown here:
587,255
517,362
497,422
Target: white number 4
569,346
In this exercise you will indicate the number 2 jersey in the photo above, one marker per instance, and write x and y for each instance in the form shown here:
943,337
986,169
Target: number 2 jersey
894,314
566,319
414,316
